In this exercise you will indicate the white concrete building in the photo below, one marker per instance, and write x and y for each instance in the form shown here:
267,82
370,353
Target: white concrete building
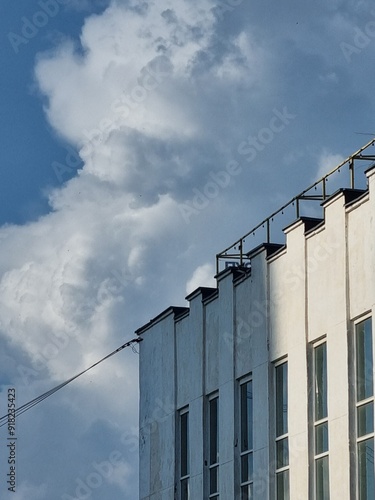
264,386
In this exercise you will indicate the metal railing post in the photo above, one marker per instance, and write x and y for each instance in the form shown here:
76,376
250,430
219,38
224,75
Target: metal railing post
351,171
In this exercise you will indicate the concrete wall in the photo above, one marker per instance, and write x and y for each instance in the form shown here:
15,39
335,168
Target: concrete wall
314,288
157,415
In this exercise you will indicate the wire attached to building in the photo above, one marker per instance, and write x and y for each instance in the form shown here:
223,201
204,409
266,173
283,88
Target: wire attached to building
39,399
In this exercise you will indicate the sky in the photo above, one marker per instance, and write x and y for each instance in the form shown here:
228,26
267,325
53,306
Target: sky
139,139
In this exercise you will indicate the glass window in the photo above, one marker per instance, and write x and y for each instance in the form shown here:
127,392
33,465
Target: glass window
213,421
247,467
321,438
282,440
321,442
365,419
281,399
320,364
184,444
282,453
247,416
282,485
246,434
214,483
321,478
184,455
247,492
366,486
364,360
214,435
365,410
185,489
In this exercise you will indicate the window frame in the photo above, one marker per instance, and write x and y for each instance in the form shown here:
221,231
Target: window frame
212,466
284,470
361,403
183,449
324,420
247,483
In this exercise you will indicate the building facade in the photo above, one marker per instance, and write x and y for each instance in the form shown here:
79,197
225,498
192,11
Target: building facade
263,388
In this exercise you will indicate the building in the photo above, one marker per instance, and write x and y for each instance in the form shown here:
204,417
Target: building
264,386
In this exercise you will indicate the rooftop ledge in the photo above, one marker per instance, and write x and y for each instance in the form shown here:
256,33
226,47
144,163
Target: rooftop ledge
237,252
176,311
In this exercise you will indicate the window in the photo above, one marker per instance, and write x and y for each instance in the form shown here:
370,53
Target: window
213,447
282,441
246,434
365,409
321,422
184,453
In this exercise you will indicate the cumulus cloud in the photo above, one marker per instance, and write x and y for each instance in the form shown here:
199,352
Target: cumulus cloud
29,491
132,57
74,282
202,276
327,161
157,97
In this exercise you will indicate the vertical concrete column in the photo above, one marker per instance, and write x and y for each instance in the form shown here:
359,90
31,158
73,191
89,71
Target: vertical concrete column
226,385
157,409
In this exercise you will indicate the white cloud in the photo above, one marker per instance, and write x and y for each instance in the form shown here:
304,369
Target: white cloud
121,476
74,284
31,492
327,161
202,276
330,78
166,93
246,63
131,58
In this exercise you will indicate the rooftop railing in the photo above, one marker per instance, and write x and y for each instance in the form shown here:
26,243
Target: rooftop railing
236,253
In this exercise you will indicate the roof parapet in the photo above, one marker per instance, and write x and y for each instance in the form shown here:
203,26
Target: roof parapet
176,311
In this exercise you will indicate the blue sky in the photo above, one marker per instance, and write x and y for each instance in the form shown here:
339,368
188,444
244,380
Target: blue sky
30,144
139,140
